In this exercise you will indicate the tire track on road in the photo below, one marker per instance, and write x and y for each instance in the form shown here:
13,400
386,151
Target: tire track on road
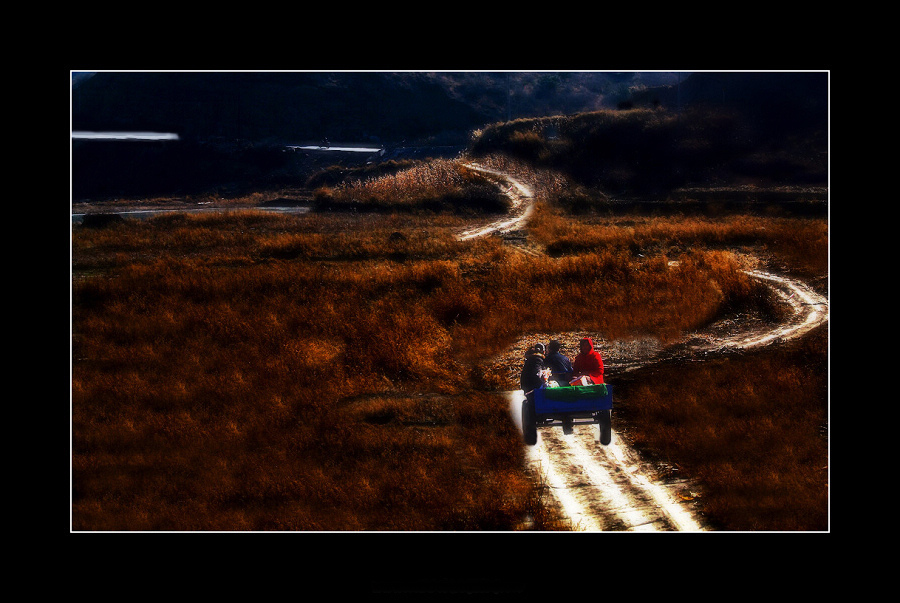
603,488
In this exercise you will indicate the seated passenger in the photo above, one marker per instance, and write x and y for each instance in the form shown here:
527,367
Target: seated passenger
532,375
559,365
588,363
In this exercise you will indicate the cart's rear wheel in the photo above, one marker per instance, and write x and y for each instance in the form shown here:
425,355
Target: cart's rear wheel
529,425
605,421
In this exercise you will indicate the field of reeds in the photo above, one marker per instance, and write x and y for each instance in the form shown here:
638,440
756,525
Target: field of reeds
441,185
329,370
751,429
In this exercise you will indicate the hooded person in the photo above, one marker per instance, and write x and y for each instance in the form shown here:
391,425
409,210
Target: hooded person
559,365
531,376
588,362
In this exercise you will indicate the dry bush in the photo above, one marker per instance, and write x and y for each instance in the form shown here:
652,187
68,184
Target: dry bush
799,242
545,183
440,185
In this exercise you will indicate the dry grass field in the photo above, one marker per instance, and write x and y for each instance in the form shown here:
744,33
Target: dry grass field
326,371
751,429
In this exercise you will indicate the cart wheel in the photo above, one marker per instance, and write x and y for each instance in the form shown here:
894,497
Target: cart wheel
529,425
605,421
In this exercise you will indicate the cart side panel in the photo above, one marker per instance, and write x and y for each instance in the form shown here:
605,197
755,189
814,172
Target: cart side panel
550,401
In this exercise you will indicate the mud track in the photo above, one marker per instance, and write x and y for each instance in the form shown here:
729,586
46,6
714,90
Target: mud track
603,488
519,194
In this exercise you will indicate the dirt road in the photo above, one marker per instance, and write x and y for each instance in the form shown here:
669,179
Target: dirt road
601,488
519,194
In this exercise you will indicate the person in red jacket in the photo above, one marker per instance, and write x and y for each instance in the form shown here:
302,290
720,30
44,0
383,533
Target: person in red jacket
588,362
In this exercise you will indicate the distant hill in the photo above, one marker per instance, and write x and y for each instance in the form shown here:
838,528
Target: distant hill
281,107
233,126
711,130
779,101
437,107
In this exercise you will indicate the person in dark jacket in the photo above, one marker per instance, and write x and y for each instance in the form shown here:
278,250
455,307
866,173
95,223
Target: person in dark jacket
531,376
559,365
588,362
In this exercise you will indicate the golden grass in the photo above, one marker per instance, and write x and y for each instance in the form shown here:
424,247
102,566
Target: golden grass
751,429
439,185
251,371
801,242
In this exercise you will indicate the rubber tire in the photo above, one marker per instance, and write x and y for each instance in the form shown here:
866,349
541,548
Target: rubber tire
529,422
605,420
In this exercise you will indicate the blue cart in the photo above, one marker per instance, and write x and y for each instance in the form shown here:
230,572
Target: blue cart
567,406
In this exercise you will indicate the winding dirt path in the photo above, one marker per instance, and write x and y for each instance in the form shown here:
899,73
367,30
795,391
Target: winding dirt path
603,488
519,194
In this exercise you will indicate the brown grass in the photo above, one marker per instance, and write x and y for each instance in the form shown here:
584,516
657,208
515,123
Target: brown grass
440,185
251,371
800,242
751,429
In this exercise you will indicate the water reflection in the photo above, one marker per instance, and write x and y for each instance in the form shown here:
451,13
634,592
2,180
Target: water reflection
143,214
124,136
346,149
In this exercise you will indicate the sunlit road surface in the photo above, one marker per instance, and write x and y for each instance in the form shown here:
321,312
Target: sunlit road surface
603,488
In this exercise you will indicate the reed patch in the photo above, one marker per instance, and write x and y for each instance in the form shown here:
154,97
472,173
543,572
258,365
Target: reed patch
251,371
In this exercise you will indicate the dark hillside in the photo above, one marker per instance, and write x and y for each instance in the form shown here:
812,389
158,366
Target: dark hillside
732,128
348,106
776,102
715,130
276,107
233,127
